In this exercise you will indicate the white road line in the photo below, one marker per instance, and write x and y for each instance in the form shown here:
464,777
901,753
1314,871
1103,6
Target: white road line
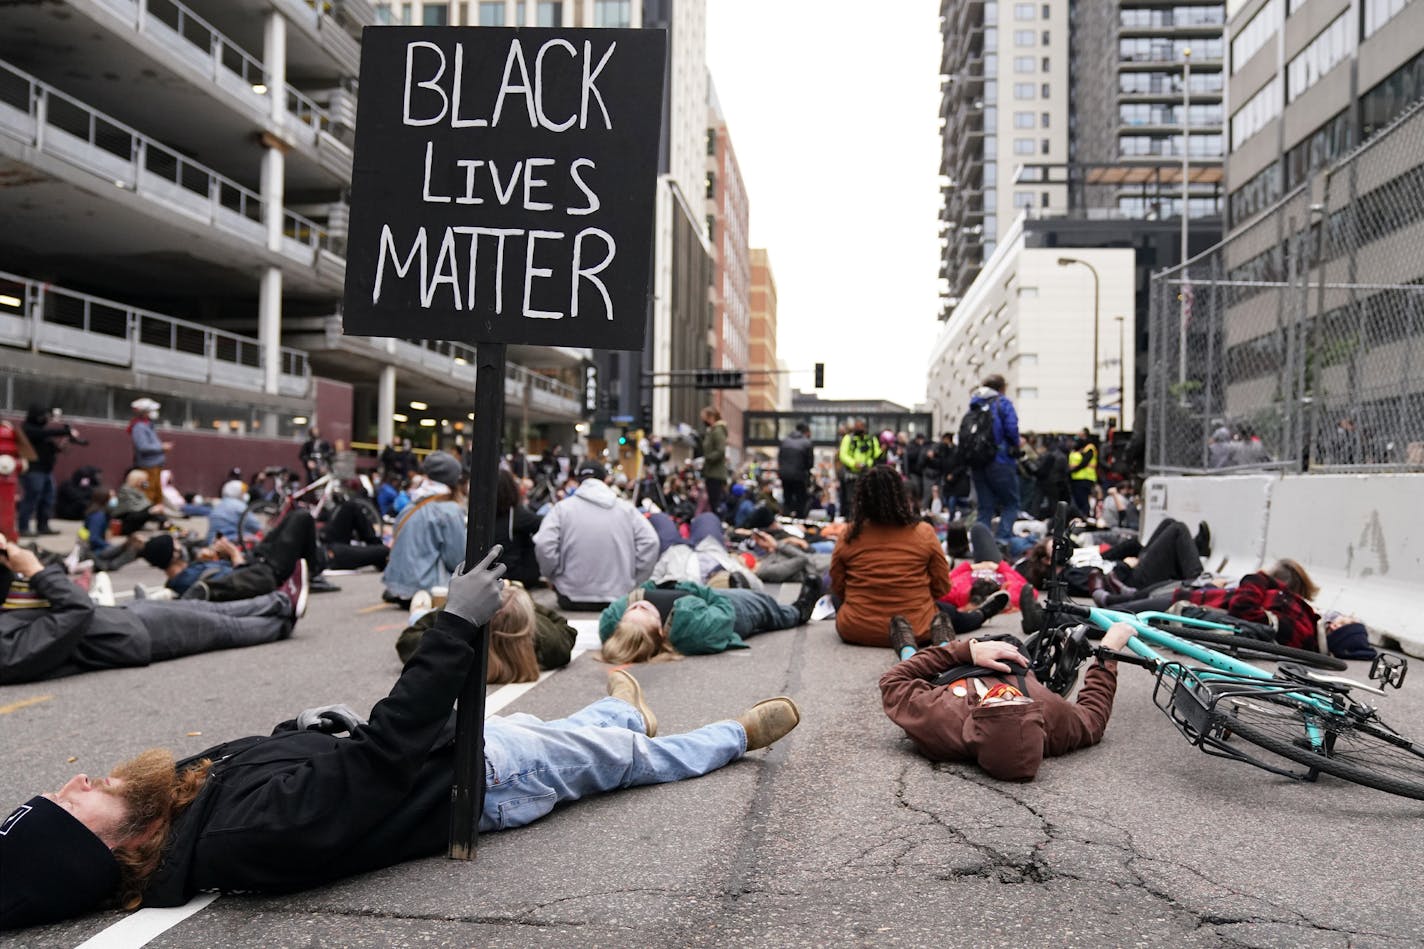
139,928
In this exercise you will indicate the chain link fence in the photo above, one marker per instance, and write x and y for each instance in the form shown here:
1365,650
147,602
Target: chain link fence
1298,343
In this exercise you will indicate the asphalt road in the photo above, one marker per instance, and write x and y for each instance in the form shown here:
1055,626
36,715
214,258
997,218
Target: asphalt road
838,835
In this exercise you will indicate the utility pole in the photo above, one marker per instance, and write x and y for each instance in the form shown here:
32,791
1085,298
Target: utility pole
1184,292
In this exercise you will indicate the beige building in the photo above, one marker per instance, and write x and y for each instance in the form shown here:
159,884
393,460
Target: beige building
763,390
727,216
1029,316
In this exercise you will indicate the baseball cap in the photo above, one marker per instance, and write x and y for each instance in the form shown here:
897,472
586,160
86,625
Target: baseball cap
591,469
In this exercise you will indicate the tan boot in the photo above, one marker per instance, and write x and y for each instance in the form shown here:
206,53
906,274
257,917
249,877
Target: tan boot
622,685
769,720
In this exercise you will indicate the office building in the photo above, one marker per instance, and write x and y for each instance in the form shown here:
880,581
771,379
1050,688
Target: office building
727,214
763,388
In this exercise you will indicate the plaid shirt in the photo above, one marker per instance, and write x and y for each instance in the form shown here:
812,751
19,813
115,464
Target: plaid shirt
1260,598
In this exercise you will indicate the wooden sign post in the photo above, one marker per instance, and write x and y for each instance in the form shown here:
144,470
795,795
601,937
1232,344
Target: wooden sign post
503,192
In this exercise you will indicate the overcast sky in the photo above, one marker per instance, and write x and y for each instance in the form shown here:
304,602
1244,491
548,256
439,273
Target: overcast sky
833,109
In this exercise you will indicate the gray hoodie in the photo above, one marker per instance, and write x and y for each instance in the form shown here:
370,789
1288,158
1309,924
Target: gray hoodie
594,546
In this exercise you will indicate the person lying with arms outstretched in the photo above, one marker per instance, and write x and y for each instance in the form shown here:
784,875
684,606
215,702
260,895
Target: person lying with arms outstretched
976,701
303,806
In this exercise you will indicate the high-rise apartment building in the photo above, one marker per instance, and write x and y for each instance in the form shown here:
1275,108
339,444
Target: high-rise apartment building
1004,75
763,391
727,214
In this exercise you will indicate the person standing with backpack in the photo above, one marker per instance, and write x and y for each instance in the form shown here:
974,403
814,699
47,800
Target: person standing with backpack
988,444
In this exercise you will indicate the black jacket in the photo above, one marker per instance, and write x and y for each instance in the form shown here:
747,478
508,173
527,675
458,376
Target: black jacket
300,808
72,635
515,529
795,458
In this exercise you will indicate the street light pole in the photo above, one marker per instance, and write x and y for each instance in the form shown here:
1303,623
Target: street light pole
1184,289
1067,262
1122,373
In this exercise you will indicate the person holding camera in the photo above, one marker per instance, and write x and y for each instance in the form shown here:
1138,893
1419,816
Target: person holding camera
48,434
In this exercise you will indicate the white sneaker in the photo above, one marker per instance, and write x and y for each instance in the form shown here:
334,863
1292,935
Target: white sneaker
420,604
101,589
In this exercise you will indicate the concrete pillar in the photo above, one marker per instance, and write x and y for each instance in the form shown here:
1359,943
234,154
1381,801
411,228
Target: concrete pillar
274,64
269,326
274,165
386,407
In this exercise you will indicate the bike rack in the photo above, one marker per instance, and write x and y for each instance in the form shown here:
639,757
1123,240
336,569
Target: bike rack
1191,705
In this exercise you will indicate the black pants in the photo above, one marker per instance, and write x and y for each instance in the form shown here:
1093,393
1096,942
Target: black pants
982,545
963,621
1169,554
716,488
575,606
271,562
349,523
183,628
794,493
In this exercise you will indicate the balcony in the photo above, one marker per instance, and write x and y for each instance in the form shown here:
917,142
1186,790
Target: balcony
63,322
44,128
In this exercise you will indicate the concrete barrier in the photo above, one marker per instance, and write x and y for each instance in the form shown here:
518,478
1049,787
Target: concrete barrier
1235,508
1362,539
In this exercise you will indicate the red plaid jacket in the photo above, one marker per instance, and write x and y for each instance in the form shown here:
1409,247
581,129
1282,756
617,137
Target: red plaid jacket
1262,599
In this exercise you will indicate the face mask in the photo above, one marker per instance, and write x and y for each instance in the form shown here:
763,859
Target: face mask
153,415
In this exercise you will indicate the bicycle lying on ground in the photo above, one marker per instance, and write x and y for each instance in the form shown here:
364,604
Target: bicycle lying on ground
321,498
1230,708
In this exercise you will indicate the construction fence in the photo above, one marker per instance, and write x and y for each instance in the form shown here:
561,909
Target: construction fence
1297,344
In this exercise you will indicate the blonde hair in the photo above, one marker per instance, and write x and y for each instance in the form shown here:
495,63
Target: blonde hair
511,654
636,640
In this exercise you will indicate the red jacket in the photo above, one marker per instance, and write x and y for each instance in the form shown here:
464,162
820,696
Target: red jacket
961,578
933,716
1261,598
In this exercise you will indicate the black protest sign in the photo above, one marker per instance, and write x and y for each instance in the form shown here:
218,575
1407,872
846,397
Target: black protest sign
504,185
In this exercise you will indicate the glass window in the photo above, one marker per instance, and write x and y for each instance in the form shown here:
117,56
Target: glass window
1023,64
491,12
1047,64
1023,90
1023,11
1023,120
1044,146
550,13
1045,37
1392,95
614,13
1256,32
435,14
383,13
711,141
1379,12
1023,146
1045,119
1328,49
711,184
1047,11
1260,109
1023,199
405,14
1043,199
1023,37
1045,90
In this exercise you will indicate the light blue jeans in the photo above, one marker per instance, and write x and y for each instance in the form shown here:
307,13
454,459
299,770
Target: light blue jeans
532,765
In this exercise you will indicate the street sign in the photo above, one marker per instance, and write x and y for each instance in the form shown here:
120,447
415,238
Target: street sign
503,191
504,185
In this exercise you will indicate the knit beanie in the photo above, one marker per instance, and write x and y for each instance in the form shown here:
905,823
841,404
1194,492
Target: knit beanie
442,467
159,550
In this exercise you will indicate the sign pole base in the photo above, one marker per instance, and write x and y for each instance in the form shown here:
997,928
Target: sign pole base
467,796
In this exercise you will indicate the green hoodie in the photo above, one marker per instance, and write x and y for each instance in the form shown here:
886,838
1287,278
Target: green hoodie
700,624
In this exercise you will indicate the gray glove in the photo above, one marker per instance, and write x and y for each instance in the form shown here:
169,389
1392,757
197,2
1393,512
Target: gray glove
474,594
330,719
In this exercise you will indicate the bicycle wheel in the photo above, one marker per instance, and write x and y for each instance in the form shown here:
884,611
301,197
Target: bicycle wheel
1365,752
1244,647
260,511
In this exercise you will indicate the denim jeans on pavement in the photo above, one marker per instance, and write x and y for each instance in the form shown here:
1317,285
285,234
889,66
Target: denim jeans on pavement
699,528
37,501
757,612
997,487
532,765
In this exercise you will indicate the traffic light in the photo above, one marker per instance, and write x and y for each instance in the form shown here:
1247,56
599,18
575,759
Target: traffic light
1093,399
623,438
820,375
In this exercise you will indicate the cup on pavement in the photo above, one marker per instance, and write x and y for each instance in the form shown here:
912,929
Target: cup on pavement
438,596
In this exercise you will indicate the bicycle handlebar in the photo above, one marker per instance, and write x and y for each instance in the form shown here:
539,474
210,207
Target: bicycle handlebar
1104,653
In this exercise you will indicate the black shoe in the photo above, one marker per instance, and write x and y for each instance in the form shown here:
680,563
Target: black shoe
736,581
1031,610
198,591
1203,539
994,604
941,629
322,585
901,635
806,600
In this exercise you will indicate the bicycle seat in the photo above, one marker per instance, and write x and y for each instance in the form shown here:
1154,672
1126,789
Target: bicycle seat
1332,683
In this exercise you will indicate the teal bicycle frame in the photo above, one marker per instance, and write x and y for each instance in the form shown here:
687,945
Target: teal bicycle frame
1229,671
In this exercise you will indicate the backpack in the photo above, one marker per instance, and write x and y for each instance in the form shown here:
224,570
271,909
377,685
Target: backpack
977,444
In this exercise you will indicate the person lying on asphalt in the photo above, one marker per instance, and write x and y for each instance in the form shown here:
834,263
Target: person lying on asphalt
975,701
303,806
49,627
